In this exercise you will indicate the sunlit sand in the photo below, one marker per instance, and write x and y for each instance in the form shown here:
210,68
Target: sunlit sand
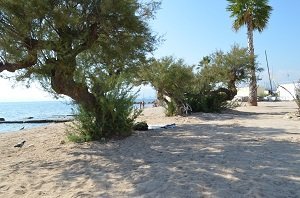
248,152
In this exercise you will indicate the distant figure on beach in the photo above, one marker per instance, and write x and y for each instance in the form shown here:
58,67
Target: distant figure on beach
142,104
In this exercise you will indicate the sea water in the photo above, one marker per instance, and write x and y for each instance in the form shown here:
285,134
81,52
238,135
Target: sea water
16,111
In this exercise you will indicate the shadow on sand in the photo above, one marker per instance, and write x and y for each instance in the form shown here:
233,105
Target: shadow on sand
191,161
196,160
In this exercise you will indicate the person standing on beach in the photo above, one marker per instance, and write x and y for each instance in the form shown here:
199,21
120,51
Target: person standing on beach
142,104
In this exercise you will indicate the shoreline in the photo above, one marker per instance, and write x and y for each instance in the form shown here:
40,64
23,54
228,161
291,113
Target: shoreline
8,118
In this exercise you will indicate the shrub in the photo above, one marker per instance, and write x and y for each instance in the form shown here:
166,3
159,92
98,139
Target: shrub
172,78
114,117
210,102
170,109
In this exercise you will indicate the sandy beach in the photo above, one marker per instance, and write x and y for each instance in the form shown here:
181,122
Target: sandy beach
246,152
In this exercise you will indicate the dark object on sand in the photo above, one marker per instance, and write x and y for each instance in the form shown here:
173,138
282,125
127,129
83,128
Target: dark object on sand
19,145
168,126
140,126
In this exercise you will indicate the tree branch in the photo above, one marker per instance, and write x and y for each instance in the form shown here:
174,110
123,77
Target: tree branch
12,67
32,46
90,39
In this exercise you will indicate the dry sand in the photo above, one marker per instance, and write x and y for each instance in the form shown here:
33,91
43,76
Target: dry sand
249,152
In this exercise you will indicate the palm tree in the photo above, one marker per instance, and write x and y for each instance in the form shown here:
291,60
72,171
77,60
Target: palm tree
255,15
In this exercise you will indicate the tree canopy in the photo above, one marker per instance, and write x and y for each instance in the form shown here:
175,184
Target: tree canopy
255,13
59,41
226,70
207,89
171,78
73,47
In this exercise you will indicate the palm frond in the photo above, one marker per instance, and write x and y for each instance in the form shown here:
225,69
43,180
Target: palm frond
245,11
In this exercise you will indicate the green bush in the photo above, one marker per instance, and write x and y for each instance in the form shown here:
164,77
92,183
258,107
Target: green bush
172,78
170,109
210,102
114,117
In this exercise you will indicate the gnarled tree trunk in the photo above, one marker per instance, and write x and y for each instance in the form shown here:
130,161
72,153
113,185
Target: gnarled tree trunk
63,83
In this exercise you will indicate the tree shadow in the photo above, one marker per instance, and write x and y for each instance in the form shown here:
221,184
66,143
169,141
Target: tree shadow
191,160
235,114
187,161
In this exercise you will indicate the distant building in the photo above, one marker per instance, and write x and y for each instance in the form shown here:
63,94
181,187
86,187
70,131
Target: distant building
287,91
244,92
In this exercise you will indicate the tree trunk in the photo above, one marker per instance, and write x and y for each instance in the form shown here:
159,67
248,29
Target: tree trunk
62,82
233,90
253,84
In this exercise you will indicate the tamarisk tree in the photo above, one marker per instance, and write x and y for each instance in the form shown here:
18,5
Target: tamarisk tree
72,46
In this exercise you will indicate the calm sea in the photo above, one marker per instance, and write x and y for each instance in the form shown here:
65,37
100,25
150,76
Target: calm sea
15,111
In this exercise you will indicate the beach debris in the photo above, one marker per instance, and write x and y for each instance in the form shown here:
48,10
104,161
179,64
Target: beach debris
168,126
140,126
19,145
165,126
292,115
22,128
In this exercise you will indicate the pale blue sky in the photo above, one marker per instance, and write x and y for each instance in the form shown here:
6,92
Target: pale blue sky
196,28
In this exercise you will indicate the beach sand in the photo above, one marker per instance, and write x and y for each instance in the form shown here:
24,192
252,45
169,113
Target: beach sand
247,152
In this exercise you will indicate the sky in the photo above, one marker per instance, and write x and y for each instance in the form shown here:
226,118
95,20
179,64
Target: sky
192,29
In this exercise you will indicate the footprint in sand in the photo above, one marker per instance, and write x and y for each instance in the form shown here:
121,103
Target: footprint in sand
4,188
21,191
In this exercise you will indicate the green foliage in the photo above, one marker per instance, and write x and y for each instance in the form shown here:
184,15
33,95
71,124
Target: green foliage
83,49
209,102
225,70
216,81
172,79
256,12
114,117
170,108
207,90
